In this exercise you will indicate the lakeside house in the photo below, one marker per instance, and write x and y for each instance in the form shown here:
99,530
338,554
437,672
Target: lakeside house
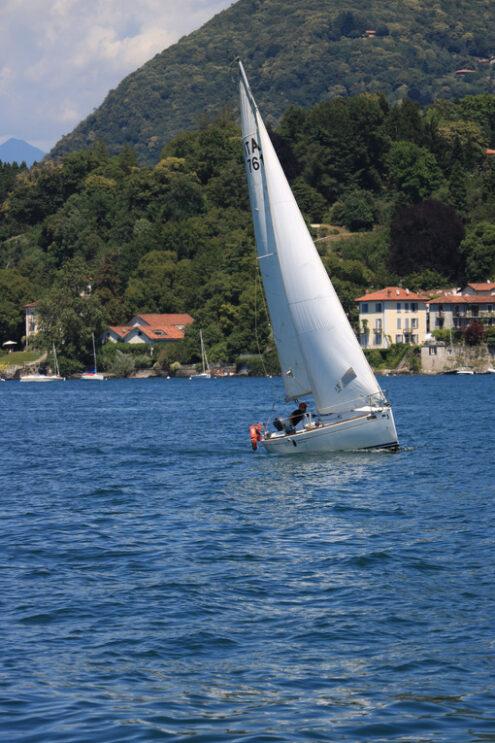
457,312
143,328
150,328
397,315
392,315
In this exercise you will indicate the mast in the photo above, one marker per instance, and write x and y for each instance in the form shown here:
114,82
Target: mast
204,357
94,349
55,360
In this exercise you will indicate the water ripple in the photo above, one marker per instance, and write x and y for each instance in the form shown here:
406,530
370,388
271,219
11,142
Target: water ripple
160,581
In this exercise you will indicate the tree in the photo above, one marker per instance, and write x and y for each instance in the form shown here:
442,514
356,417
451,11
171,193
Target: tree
474,334
15,292
357,211
69,314
309,200
150,287
479,251
427,235
458,190
122,365
413,170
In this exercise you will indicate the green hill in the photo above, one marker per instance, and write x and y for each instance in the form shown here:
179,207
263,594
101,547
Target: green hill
297,53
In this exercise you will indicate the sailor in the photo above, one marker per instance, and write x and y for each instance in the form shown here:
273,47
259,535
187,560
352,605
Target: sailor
297,415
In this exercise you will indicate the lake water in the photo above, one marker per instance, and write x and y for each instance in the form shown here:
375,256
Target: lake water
161,581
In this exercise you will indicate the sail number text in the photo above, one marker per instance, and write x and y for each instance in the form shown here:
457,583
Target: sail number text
254,155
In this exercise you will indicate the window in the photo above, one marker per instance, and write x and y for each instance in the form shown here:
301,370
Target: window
414,322
414,306
414,340
398,306
378,339
432,350
398,338
488,307
365,340
379,323
378,307
406,324
406,306
398,323
364,308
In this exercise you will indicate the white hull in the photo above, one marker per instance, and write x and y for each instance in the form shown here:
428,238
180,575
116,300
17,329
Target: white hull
97,375
203,375
41,378
372,429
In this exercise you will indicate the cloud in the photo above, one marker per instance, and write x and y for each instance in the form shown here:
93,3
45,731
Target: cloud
59,58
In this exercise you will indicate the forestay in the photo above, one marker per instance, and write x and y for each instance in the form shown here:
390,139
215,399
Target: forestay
317,347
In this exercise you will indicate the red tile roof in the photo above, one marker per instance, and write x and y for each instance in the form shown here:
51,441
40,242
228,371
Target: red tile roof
392,294
168,333
484,287
161,320
466,299
120,330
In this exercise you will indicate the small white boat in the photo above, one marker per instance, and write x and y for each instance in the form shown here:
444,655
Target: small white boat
38,377
318,350
205,374
93,374
460,370
41,378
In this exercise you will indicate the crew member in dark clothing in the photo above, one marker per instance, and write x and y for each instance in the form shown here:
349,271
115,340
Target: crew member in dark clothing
297,415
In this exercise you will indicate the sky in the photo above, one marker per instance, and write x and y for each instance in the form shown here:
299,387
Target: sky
59,58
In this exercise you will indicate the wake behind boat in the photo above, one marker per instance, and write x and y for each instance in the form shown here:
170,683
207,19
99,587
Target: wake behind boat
318,351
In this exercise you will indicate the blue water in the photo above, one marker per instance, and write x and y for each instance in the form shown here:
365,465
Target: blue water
161,581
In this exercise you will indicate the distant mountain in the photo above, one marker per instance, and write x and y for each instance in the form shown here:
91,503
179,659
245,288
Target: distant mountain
18,151
298,52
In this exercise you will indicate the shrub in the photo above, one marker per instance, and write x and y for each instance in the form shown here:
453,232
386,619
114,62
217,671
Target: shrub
122,365
474,334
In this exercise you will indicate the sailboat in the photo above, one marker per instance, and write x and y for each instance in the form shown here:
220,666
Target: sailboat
38,377
93,374
318,351
205,374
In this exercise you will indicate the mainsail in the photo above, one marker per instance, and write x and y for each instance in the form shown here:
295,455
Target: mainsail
318,350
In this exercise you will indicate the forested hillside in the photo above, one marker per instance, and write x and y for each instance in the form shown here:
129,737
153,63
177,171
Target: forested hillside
299,52
412,189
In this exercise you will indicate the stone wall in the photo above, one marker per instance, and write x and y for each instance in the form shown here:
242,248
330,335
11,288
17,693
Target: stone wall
437,358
